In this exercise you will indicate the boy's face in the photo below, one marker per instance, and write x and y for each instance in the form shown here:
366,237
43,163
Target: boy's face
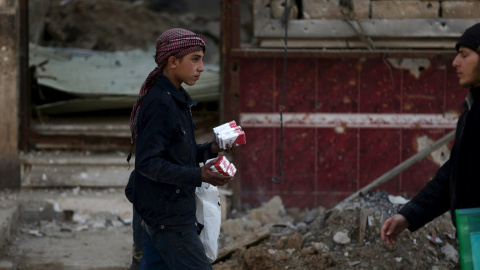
467,64
189,67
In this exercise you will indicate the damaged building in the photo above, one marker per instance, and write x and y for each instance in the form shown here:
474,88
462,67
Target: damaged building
347,106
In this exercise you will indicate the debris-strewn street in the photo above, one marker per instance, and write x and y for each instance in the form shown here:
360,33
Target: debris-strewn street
346,237
95,233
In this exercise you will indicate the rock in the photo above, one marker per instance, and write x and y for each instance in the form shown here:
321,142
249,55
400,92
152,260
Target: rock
252,225
269,212
281,256
307,251
341,238
263,216
320,247
233,227
450,253
365,265
354,263
280,244
397,199
295,241
274,206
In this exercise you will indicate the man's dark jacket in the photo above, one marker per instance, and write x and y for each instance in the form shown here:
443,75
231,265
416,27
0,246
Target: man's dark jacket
167,159
456,185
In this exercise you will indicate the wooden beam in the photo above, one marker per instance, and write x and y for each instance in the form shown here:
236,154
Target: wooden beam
230,92
243,242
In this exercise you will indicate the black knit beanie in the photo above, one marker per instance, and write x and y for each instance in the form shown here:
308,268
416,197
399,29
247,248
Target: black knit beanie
470,39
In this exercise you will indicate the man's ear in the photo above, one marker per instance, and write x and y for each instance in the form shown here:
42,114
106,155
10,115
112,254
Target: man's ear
172,62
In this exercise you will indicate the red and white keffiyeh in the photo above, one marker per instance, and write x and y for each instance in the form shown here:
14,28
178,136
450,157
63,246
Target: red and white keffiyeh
176,42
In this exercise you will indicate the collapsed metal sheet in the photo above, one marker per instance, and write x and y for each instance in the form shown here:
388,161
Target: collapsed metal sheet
104,80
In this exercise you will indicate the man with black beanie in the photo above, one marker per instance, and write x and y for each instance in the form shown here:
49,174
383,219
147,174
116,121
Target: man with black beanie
457,183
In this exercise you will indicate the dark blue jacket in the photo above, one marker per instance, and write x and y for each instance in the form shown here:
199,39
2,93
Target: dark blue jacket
457,182
167,159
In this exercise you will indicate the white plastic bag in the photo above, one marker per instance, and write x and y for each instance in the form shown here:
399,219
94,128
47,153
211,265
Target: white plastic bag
209,214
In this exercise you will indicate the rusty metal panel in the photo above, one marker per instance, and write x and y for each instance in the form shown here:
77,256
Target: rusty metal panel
347,121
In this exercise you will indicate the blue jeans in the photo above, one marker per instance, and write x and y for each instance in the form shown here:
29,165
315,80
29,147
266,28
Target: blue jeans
172,250
151,259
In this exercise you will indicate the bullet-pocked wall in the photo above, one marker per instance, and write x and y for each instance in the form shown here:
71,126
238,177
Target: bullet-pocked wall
347,121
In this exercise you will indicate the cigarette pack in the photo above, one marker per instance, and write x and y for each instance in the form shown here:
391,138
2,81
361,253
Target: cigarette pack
223,166
228,125
231,170
229,134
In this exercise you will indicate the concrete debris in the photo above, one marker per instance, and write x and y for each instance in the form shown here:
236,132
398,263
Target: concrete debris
450,253
320,247
397,199
341,238
344,237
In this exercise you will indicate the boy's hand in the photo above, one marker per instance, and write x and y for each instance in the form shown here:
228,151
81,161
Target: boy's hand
213,178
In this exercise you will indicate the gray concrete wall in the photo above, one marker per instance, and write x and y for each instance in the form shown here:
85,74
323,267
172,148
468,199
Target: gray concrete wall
9,121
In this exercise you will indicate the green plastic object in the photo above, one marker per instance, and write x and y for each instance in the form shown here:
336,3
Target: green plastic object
468,231
475,242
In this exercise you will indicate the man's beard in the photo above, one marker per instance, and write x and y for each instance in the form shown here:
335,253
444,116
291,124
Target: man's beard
475,78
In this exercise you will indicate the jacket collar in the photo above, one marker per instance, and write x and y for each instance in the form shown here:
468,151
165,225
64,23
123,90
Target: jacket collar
180,94
473,94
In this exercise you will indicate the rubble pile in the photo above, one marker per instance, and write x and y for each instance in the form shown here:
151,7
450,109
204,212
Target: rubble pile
344,237
113,25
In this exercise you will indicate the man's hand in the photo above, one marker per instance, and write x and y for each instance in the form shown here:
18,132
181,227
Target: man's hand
216,149
392,228
213,178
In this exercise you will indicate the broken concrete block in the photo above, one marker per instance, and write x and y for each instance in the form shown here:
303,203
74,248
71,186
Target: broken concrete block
274,206
450,253
460,9
233,227
263,216
295,241
320,247
405,9
280,244
321,9
341,238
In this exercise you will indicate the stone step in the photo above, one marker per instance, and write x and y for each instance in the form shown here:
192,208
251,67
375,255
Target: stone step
57,171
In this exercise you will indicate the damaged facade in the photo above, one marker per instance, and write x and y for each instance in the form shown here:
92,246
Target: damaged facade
364,82
368,85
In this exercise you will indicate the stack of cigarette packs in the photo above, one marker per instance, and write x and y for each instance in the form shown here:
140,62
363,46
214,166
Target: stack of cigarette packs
229,133
223,166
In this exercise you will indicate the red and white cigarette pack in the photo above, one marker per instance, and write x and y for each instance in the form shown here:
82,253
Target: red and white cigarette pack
231,170
223,166
228,125
236,137
229,133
